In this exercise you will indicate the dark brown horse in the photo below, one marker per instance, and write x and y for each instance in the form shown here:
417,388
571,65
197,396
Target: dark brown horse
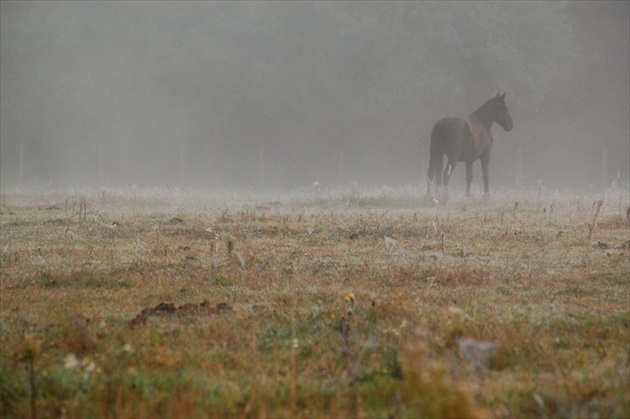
467,140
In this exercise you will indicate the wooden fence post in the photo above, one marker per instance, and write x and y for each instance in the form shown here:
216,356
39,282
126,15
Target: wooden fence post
21,164
519,166
261,166
341,165
604,168
101,163
182,163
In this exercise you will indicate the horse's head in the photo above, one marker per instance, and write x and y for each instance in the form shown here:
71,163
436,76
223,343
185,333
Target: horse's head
501,112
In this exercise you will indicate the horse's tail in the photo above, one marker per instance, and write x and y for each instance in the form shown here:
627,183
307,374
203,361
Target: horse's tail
435,161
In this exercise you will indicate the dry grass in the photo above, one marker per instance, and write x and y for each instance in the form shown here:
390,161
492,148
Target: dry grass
545,283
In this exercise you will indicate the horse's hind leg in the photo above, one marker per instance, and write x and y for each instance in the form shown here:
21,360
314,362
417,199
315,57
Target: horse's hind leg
469,177
485,163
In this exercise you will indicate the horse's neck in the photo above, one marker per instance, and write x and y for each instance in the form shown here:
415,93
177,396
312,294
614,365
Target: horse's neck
482,116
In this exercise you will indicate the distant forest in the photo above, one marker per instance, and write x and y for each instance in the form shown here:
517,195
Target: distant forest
283,94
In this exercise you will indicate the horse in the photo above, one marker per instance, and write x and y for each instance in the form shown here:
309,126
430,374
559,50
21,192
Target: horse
468,140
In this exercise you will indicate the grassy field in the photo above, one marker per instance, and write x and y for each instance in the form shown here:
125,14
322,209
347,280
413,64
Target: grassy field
313,304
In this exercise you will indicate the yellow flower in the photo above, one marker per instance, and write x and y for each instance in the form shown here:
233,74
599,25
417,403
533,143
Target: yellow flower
349,298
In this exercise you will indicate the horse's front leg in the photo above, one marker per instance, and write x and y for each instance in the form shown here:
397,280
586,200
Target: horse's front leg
469,177
485,163
452,161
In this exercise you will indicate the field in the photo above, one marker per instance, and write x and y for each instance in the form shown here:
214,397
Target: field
316,303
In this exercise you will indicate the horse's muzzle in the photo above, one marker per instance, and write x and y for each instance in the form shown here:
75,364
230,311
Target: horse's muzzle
507,125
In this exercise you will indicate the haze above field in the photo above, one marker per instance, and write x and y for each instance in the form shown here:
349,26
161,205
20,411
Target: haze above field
267,95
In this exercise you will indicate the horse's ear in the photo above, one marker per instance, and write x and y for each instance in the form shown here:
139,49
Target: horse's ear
503,96
498,94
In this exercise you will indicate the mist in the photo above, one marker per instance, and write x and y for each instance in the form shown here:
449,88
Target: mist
279,95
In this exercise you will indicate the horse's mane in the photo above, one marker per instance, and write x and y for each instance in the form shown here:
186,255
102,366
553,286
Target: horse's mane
483,109
484,112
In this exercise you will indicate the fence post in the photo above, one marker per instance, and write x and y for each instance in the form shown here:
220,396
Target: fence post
519,166
101,163
182,163
341,165
261,166
21,164
604,168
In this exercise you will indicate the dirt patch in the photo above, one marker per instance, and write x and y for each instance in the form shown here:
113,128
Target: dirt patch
169,310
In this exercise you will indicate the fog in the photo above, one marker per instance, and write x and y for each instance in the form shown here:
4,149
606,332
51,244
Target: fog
279,95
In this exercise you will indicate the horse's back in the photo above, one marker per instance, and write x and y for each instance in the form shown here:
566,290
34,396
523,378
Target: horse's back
450,122
448,131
